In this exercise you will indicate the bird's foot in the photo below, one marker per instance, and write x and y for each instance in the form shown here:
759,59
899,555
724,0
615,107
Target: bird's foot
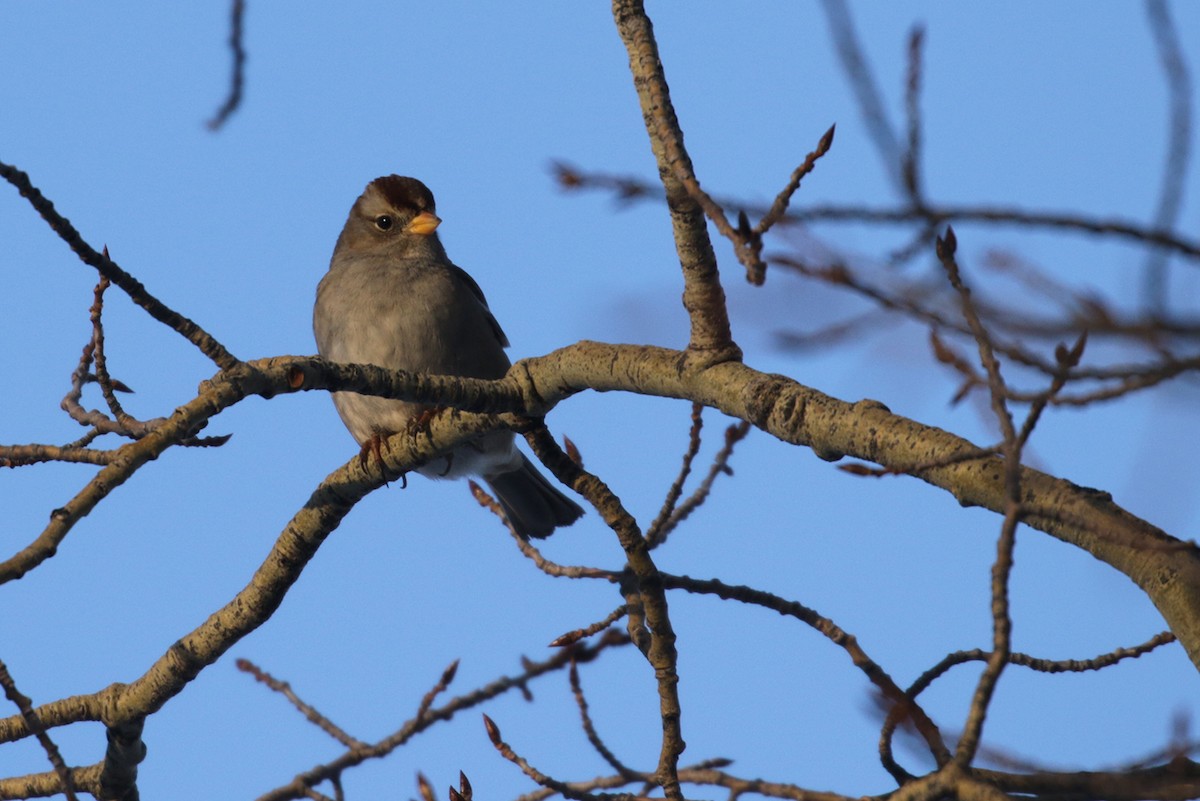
376,445
418,424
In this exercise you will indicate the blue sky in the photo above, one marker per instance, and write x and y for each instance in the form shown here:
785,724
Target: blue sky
1047,106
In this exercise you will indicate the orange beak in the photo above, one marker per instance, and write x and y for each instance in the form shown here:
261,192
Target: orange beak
424,224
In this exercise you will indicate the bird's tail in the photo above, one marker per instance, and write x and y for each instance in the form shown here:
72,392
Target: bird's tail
534,507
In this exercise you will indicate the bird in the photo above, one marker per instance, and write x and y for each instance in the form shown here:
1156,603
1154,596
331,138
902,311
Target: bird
392,298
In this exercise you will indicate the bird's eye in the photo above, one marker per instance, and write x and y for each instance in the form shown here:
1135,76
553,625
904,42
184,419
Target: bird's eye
383,222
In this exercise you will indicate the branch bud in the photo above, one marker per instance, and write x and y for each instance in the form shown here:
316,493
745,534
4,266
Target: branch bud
947,245
826,141
493,731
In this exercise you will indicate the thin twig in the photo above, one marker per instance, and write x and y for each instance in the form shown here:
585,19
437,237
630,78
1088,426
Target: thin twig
866,89
910,171
314,776
25,706
660,651
734,434
779,207
938,215
835,634
1179,132
310,713
530,551
562,788
654,531
589,728
207,345
237,78
443,683
575,636
968,744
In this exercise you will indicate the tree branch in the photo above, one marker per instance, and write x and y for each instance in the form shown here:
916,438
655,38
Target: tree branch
703,296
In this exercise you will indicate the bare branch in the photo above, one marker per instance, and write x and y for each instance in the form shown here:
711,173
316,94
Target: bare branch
312,777
655,534
968,744
660,653
315,717
910,170
866,89
590,729
1179,131
835,634
703,296
575,636
108,268
237,78
30,717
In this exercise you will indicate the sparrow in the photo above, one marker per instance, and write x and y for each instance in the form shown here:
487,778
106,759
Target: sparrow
393,299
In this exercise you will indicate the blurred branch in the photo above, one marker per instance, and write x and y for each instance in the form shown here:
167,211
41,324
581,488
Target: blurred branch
1179,131
932,213
237,78
916,301
1177,780
911,164
866,90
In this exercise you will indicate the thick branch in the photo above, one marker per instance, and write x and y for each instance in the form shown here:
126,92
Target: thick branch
1165,568
703,296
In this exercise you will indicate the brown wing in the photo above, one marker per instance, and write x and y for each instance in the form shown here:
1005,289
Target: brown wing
462,275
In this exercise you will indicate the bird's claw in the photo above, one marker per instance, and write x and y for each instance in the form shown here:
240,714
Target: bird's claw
377,444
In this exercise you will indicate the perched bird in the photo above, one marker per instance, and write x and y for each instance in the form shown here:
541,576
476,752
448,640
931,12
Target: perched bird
393,299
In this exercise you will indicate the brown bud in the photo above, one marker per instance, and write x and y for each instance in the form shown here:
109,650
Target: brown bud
940,351
826,141
572,451
493,731
424,787
566,639
964,390
947,245
1070,358
566,175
